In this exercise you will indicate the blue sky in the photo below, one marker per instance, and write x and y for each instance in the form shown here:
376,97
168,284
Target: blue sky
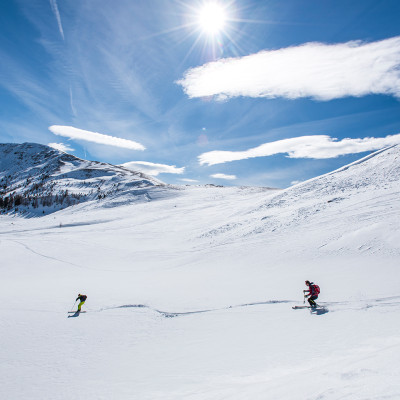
277,93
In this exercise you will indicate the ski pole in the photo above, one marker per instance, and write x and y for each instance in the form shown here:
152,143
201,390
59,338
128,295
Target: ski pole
74,305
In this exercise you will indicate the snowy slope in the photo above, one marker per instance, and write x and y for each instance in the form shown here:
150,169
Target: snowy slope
35,178
190,297
361,200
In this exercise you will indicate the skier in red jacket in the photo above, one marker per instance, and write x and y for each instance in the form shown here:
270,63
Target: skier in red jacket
313,293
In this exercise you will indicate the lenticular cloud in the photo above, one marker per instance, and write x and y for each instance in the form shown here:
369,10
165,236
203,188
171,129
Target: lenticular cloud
224,176
80,134
153,169
316,70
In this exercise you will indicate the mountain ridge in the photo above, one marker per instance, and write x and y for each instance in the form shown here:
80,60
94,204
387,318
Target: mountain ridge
36,179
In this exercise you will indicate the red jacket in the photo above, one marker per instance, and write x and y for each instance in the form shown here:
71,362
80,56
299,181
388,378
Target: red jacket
313,290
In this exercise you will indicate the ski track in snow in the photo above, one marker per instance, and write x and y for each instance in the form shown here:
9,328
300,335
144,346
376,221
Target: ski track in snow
44,255
383,303
179,314
58,259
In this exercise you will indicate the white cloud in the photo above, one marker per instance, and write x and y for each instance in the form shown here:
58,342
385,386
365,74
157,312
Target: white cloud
223,176
80,134
61,146
294,183
316,70
318,147
153,169
54,8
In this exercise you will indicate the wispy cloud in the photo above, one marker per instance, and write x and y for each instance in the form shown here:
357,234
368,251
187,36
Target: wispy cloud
316,70
317,147
153,169
54,8
80,134
61,146
99,75
224,176
21,82
71,102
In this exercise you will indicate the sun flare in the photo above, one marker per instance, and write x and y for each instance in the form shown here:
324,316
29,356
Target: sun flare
212,18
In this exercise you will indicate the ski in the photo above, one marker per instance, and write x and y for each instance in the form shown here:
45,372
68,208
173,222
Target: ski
298,307
75,312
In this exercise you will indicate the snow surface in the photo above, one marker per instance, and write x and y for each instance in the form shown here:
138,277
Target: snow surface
190,296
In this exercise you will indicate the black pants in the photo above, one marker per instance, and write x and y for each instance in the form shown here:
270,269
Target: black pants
311,301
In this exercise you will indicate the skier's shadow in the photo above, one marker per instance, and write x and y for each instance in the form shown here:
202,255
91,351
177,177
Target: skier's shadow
319,311
74,315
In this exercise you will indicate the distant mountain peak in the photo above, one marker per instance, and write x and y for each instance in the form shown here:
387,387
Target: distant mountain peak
37,179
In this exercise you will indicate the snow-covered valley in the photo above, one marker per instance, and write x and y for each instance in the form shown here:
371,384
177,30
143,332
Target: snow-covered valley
190,294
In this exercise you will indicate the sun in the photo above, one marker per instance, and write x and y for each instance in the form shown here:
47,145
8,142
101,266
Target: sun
212,18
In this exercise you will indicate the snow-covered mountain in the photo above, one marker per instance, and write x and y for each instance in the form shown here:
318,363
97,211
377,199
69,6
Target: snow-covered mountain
191,297
39,179
358,196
